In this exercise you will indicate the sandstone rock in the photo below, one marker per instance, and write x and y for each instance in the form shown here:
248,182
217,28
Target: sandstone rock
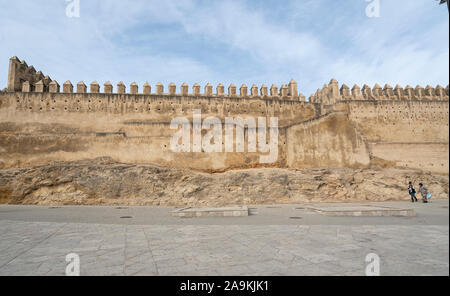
103,181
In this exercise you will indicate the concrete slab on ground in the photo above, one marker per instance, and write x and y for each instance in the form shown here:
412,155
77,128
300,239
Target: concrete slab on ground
362,211
191,212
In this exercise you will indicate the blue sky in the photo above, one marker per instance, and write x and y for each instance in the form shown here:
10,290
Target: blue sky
251,42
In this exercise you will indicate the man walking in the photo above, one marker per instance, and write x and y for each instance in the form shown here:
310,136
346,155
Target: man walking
412,192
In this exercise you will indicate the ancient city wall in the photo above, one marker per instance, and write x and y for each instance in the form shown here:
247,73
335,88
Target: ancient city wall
42,122
406,133
42,127
328,141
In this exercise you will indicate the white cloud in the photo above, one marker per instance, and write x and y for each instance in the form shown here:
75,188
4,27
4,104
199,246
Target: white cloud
242,28
310,41
398,48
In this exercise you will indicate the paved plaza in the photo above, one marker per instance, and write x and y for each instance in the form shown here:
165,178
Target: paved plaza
272,240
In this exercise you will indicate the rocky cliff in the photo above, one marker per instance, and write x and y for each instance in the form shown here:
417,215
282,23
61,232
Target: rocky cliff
105,182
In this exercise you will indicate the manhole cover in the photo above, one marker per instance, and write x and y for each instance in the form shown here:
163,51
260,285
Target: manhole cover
126,217
296,218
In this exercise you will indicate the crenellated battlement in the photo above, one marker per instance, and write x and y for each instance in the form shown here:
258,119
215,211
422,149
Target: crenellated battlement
24,78
159,89
331,93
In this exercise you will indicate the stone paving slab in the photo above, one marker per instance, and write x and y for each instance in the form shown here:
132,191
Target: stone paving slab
35,241
39,248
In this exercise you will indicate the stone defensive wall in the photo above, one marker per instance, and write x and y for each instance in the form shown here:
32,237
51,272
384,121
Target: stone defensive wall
42,122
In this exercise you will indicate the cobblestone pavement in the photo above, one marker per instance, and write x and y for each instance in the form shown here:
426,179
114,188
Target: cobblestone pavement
40,248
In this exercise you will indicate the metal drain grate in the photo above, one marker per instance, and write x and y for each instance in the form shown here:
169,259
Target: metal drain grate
54,208
121,208
126,217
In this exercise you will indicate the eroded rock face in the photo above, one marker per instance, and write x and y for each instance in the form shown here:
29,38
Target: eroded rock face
105,182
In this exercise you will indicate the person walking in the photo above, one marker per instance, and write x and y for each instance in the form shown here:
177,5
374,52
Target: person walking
412,192
424,192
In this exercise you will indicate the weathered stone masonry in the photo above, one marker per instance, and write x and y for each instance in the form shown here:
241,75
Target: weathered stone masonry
41,121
